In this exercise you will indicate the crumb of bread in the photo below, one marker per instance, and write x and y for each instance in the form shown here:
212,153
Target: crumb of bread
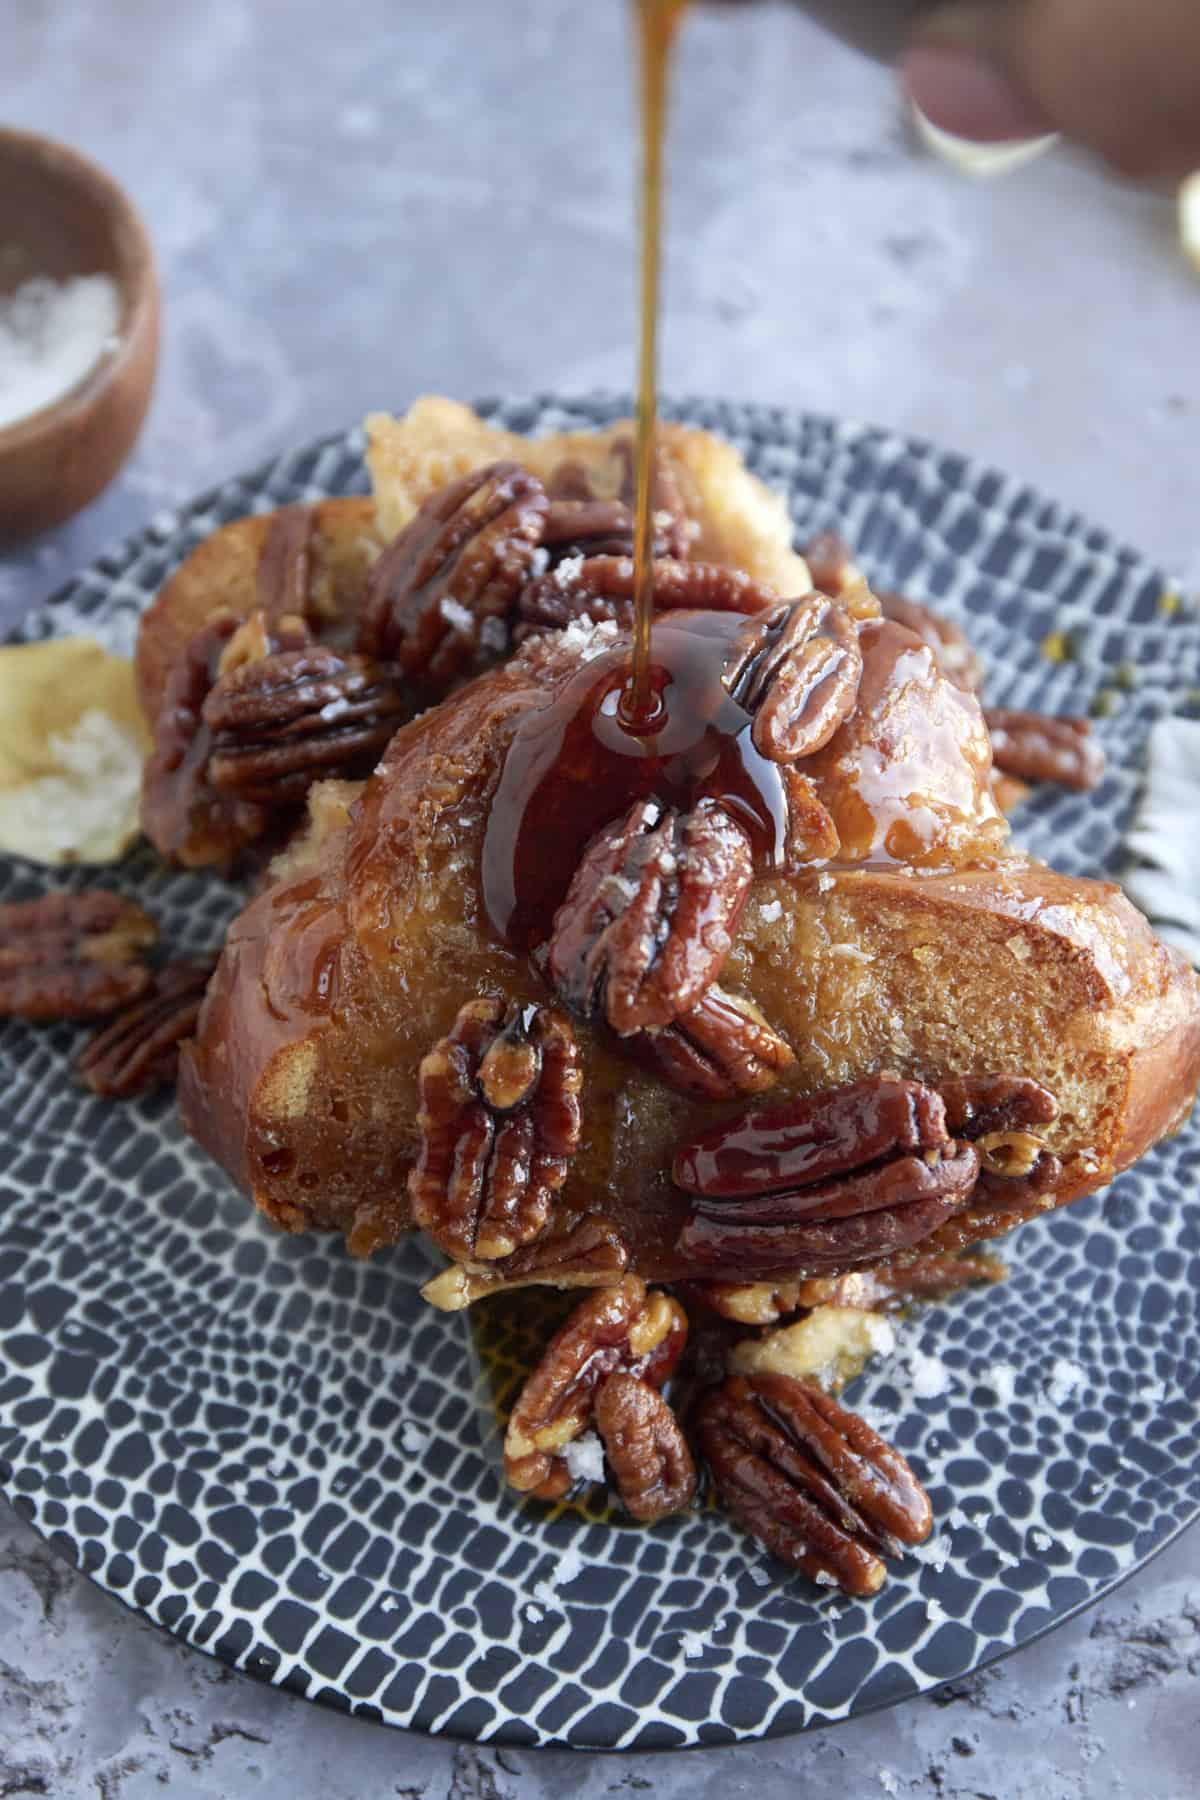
414,1438
830,1345
285,1090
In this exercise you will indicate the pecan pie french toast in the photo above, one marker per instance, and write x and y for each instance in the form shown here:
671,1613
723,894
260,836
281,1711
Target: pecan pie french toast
762,1003
665,934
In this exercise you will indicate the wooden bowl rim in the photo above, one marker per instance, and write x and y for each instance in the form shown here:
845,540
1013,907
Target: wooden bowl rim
136,278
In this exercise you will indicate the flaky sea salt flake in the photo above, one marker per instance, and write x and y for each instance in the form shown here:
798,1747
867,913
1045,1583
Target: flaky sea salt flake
1001,1377
930,1376
584,1458
1062,1381
459,617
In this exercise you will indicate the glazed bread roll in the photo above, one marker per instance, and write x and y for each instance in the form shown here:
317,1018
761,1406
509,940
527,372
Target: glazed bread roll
934,952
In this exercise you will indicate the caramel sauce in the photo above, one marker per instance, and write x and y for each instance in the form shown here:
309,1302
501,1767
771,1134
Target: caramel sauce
657,23
306,935
573,767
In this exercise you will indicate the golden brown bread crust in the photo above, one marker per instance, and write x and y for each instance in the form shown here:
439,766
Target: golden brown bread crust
340,977
733,520
740,522
221,574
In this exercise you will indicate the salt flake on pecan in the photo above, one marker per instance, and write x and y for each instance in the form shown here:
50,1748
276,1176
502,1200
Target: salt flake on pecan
625,1327
601,588
297,716
500,1122
810,1480
648,919
73,956
797,669
451,579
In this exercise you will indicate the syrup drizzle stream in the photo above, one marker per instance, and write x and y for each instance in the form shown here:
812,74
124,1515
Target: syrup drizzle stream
656,24
661,722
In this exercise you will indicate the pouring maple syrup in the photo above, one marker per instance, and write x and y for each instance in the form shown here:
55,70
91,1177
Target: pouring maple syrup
654,721
656,25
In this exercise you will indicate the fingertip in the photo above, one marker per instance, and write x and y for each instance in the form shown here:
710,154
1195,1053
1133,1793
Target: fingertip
966,94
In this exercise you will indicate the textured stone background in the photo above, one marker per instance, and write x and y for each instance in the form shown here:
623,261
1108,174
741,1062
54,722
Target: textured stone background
352,205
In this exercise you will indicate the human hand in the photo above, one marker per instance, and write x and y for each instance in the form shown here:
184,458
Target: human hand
1121,77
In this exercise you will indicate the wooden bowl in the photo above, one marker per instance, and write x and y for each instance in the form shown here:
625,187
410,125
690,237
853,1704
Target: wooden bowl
62,216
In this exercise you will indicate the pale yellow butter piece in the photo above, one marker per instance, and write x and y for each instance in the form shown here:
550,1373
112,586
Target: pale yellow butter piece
72,744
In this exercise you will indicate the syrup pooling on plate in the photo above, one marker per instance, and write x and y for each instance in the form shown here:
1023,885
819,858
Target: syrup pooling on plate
573,767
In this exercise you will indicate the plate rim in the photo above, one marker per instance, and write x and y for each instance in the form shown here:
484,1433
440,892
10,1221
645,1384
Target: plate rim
562,1746
767,418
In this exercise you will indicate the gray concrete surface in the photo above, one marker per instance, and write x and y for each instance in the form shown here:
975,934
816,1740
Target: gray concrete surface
354,204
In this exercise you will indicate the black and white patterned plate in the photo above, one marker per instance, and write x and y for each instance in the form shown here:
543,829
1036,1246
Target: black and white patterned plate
277,1453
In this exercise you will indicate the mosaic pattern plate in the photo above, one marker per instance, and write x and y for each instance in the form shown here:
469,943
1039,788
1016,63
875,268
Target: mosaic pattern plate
276,1453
